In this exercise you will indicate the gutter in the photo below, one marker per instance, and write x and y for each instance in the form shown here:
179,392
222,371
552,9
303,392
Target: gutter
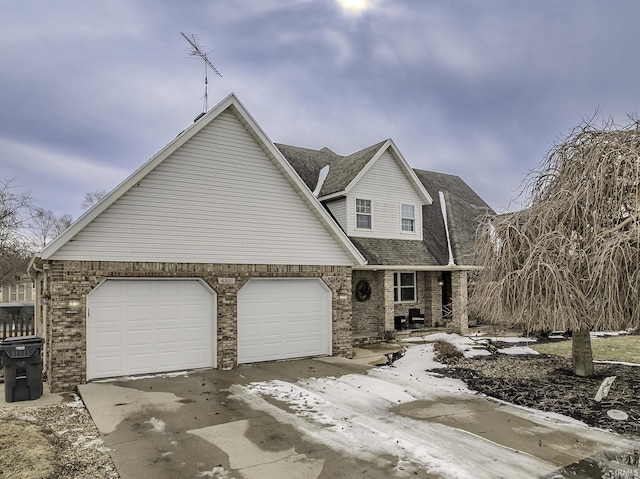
416,267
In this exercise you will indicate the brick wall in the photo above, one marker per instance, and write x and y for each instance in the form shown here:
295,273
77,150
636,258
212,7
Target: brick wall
377,314
66,338
460,321
368,316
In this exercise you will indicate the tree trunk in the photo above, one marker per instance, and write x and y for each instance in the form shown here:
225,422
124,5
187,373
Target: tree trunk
581,353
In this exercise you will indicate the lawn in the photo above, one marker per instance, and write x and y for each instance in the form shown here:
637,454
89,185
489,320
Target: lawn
610,348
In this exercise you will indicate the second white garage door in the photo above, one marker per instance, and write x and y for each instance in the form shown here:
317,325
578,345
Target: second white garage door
283,319
149,326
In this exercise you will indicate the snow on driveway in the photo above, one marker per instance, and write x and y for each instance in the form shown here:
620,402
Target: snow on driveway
359,415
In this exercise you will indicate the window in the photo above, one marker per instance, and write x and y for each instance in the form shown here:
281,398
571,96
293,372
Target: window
404,287
408,218
17,293
363,214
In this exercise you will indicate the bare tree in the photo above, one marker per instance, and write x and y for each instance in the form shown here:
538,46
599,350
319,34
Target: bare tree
15,212
91,198
63,222
45,226
570,260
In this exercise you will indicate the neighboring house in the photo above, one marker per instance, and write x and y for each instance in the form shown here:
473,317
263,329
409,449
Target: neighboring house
17,301
217,252
415,229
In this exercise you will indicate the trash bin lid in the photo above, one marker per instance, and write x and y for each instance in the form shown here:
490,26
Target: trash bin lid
21,346
21,341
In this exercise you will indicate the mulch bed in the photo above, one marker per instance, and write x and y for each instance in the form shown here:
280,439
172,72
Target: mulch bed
547,383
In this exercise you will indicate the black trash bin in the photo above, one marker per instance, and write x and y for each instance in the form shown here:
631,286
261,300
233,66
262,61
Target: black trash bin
22,363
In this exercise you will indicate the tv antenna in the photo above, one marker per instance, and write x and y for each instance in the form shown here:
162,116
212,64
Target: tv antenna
197,51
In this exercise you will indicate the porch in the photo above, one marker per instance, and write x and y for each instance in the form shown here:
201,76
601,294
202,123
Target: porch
408,303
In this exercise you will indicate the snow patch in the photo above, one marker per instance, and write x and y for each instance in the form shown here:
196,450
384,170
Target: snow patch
157,424
473,346
218,472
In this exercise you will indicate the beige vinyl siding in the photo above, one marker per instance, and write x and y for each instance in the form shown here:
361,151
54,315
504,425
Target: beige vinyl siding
386,185
218,198
338,209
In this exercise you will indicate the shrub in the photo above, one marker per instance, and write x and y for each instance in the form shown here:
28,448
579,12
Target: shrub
446,352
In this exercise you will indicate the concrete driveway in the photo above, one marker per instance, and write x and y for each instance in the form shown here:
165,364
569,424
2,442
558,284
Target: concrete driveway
187,426
332,418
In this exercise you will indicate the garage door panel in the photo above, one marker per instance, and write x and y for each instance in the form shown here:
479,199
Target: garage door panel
166,312
138,338
194,335
167,359
147,326
137,313
276,318
168,337
194,357
104,314
136,289
193,311
108,365
106,340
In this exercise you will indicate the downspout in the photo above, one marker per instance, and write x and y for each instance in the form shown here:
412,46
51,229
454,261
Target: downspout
443,207
43,298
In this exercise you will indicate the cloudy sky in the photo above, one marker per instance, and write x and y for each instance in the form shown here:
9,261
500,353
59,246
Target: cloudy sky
482,89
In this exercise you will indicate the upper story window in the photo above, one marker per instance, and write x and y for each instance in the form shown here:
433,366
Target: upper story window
363,214
404,287
17,292
408,218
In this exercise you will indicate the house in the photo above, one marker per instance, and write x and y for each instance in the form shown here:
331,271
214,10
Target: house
17,307
225,249
212,254
415,229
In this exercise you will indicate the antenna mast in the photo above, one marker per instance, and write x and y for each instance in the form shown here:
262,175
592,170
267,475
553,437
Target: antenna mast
197,50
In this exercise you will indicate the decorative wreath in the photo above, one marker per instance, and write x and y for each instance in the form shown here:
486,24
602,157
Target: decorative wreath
363,290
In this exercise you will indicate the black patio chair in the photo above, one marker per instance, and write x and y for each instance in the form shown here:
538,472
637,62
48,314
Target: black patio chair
416,318
400,322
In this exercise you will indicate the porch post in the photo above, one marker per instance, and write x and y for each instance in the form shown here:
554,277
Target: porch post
460,322
435,297
389,305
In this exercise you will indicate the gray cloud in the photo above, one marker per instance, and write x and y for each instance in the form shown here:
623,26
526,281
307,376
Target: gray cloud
91,90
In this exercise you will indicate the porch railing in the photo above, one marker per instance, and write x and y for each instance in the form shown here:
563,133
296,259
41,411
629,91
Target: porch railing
447,312
13,325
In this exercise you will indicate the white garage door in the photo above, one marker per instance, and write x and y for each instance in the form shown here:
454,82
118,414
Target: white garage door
282,319
149,326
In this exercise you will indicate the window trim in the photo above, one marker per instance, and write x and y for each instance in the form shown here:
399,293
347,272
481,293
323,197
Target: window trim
412,219
397,288
369,214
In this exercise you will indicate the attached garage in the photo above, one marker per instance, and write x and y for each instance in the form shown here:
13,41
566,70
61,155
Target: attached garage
283,318
149,326
216,225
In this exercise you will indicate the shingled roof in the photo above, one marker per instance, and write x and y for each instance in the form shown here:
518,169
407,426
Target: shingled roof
464,209
342,169
307,162
394,252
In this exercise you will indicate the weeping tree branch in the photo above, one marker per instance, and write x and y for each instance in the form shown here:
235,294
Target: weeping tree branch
569,260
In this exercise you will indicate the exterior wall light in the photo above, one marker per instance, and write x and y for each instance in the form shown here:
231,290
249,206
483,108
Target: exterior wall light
73,305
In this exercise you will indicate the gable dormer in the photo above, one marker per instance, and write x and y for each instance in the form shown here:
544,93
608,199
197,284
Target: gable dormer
378,195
